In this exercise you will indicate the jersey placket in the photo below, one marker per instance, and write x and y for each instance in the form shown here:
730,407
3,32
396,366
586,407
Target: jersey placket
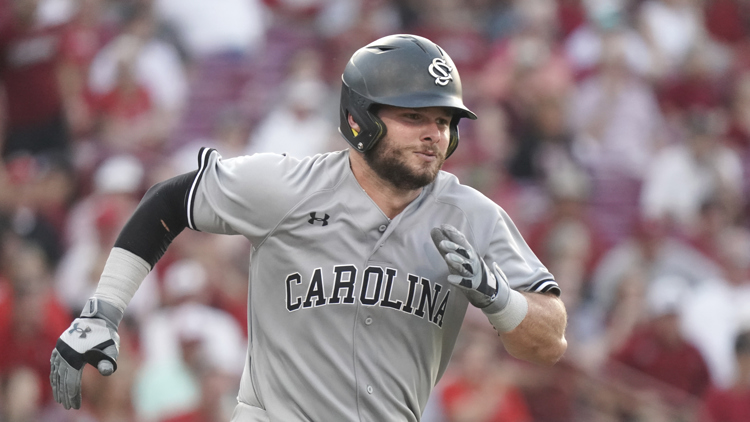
366,317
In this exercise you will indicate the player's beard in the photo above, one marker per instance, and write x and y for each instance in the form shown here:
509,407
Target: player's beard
392,165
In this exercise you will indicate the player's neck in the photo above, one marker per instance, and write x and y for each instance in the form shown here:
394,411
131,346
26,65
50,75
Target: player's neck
387,197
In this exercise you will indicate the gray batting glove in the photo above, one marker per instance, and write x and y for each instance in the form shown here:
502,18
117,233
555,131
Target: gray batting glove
482,286
92,339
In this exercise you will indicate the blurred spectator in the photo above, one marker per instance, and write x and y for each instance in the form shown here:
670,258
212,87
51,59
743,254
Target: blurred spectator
39,191
732,404
481,163
565,239
52,12
155,64
683,177
298,125
207,28
485,148
229,135
738,132
224,45
187,341
652,251
482,388
727,20
129,119
29,60
699,86
660,351
615,115
671,28
618,127
619,284
716,309
452,25
706,235
544,144
372,20
31,318
226,260
512,16
526,68
605,19
84,35
22,391
571,15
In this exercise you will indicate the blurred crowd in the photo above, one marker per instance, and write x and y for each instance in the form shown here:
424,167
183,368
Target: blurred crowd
616,133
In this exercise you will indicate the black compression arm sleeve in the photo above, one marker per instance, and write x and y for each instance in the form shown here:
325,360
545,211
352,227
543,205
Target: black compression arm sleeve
159,218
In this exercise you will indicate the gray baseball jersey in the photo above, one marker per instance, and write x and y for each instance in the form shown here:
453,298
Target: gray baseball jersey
351,316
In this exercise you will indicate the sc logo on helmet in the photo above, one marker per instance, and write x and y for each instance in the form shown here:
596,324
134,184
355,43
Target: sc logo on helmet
441,71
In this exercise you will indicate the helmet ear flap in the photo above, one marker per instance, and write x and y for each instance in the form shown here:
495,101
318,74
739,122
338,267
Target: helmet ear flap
371,127
453,142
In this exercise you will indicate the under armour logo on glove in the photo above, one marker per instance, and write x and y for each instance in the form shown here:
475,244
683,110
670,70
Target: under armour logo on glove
81,330
91,340
314,218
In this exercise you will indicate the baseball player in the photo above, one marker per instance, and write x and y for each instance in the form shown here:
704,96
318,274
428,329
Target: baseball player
364,261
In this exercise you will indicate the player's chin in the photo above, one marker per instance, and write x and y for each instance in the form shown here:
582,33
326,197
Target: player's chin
427,174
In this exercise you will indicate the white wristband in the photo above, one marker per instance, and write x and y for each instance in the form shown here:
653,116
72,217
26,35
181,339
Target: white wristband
122,275
512,315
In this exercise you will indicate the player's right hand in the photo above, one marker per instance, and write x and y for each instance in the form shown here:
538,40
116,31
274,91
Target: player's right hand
92,339
483,286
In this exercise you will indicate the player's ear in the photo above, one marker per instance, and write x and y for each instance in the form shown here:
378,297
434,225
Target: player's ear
352,123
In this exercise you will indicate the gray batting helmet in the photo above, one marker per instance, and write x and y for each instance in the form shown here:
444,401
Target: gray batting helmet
398,70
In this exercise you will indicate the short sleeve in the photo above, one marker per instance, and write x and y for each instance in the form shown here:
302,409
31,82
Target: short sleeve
243,195
523,270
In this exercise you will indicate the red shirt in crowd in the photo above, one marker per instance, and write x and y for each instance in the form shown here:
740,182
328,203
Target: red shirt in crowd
726,20
28,71
731,405
510,405
29,329
681,366
126,106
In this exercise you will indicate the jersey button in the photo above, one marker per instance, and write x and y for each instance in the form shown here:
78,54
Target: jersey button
368,320
369,389
382,228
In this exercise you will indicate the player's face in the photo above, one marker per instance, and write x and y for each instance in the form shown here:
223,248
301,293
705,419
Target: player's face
413,150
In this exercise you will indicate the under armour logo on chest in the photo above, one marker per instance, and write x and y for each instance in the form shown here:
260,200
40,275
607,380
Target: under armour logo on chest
314,218
83,331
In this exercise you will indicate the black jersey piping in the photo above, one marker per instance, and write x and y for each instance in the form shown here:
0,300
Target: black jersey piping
203,155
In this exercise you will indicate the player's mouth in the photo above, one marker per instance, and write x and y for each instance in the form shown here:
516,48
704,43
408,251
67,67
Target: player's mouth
427,155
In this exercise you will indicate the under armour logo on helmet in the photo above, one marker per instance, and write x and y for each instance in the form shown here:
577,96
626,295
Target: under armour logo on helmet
83,331
441,71
314,217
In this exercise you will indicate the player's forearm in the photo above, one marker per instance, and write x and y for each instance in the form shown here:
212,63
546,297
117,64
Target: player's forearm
540,337
159,218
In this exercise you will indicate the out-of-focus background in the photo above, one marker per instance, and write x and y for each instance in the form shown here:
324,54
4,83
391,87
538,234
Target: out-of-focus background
616,133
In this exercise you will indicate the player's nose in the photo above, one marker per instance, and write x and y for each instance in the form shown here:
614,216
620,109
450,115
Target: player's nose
433,133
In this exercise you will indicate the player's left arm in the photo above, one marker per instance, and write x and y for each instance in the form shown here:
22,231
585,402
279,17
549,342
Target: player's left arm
531,324
540,336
